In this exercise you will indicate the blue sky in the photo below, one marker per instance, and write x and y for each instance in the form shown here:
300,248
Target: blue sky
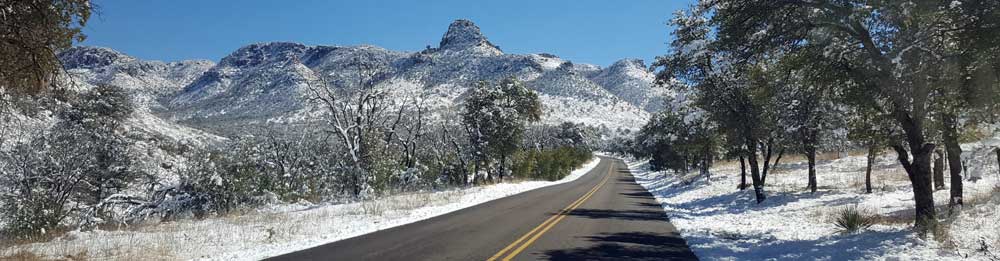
588,31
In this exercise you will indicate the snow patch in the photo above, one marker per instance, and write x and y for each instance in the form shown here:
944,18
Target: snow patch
721,222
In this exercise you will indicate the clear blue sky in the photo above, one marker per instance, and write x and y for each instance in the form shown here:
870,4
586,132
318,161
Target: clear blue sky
587,31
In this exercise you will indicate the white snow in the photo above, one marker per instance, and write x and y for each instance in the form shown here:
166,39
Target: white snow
720,222
275,230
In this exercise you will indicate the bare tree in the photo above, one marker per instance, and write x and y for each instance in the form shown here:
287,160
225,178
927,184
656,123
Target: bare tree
356,116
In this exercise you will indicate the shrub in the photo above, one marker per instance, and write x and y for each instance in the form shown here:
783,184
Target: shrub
852,219
550,164
64,176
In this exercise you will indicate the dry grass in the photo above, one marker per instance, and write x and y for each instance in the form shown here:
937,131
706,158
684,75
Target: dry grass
20,255
981,198
183,238
881,179
25,255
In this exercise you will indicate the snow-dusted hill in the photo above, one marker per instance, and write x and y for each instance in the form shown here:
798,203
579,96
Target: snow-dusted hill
147,81
269,81
631,80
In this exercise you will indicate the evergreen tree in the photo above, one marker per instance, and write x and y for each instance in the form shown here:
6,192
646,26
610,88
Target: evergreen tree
31,32
495,117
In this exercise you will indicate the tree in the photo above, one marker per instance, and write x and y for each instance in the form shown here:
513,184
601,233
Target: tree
76,168
359,117
872,131
659,141
807,95
495,117
884,45
31,32
725,90
679,137
96,121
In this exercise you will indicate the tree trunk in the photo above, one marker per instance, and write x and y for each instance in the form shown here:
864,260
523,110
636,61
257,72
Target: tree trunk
954,159
811,156
938,170
919,172
758,184
868,168
998,162
475,172
503,165
743,173
809,146
767,161
686,166
781,153
704,169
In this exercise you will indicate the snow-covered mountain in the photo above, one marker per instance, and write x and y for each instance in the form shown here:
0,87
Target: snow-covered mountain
631,80
147,81
99,65
267,82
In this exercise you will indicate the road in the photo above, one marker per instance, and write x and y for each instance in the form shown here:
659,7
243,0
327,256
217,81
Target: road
602,215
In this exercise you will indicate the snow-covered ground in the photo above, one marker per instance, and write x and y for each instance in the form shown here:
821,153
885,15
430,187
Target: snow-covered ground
722,223
272,231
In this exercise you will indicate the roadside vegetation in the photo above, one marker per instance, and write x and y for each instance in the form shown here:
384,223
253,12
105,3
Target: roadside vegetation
84,165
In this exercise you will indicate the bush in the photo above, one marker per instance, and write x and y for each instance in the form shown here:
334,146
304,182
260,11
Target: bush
551,164
64,176
852,219
248,173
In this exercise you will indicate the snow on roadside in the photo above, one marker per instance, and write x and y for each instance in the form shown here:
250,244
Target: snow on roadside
276,230
722,223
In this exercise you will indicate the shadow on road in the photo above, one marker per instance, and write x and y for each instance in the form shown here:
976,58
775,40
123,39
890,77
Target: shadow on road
628,246
640,215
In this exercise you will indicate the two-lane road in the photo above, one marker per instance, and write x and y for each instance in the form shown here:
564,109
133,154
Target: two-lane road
602,215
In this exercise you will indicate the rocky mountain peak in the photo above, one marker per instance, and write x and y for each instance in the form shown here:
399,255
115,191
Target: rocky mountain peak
464,34
628,63
264,53
91,57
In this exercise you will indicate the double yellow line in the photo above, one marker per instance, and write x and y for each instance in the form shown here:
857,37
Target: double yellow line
548,224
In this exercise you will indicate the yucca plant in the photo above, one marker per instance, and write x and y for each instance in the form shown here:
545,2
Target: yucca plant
852,219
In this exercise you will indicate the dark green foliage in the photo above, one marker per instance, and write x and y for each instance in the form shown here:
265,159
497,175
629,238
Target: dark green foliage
550,164
496,116
677,139
252,171
31,31
94,121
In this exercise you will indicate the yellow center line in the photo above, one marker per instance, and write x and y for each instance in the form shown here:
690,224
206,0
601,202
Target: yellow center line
549,223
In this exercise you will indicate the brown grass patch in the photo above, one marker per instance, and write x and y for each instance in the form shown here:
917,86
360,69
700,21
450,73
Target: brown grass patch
21,255
981,198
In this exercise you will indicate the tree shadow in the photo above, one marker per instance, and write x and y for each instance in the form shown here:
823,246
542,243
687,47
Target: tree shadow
862,246
628,246
638,194
633,215
736,202
649,205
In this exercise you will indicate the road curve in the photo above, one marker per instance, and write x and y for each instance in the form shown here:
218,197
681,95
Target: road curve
602,215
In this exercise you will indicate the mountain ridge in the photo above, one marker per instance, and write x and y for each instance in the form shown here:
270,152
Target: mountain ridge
268,81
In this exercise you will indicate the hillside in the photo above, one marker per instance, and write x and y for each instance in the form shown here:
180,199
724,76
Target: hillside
269,82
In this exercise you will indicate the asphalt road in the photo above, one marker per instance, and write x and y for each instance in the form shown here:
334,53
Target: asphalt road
602,215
